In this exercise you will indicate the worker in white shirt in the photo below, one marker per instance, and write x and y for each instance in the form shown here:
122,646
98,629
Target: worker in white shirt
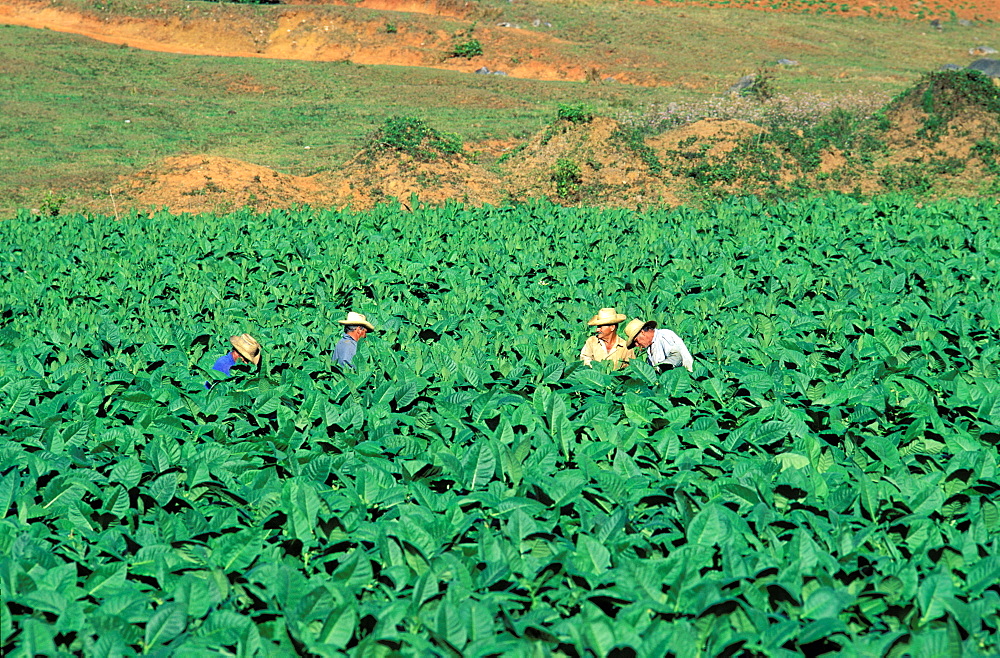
663,347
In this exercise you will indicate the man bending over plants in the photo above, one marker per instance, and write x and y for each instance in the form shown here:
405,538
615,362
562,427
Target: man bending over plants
356,327
663,347
245,350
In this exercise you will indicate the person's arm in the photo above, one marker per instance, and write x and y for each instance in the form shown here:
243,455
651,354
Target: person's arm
587,353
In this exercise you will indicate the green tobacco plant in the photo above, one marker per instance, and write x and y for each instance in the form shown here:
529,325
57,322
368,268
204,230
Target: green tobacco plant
824,481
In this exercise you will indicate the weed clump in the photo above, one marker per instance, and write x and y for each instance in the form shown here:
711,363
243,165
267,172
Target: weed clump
467,49
413,137
567,178
574,113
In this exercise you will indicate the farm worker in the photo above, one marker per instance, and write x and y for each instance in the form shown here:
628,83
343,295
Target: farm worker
606,344
663,347
245,350
356,327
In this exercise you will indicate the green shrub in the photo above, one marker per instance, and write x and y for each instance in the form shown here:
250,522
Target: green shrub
51,205
468,49
763,86
575,113
413,137
566,176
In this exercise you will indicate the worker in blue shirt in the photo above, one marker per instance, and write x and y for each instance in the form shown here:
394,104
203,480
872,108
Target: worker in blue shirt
356,327
245,350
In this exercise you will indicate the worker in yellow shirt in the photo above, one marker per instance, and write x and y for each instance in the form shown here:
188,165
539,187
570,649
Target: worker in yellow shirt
606,344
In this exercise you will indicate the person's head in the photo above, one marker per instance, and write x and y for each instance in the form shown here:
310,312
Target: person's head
356,331
245,349
356,325
639,333
606,322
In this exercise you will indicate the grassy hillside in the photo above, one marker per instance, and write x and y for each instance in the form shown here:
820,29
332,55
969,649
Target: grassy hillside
78,114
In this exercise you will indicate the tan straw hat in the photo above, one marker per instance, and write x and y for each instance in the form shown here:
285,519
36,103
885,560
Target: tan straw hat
248,348
633,328
357,318
606,316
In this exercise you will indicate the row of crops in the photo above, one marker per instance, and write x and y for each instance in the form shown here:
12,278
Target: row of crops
825,481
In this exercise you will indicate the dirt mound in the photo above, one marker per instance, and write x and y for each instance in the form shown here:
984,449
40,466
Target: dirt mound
712,138
201,183
598,161
366,181
948,124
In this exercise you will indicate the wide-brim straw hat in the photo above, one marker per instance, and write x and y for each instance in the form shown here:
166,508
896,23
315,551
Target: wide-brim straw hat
357,318
606,316
633,328
248,348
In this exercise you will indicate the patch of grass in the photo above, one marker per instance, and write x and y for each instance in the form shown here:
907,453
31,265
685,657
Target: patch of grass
989,152
909,178
66,100
631,138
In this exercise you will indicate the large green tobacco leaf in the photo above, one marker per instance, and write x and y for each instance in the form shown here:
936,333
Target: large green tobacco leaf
824,481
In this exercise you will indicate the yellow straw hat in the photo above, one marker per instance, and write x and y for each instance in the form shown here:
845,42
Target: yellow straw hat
606,316
633,328
248,348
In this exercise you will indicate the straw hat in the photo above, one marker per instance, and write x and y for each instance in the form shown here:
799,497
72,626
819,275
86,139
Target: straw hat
606,316
248,348
357,318
633,328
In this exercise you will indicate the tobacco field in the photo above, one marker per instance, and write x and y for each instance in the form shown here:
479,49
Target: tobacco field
824,482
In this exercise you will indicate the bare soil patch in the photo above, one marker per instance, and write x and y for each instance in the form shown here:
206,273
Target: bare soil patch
363,183
202,183
709,138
